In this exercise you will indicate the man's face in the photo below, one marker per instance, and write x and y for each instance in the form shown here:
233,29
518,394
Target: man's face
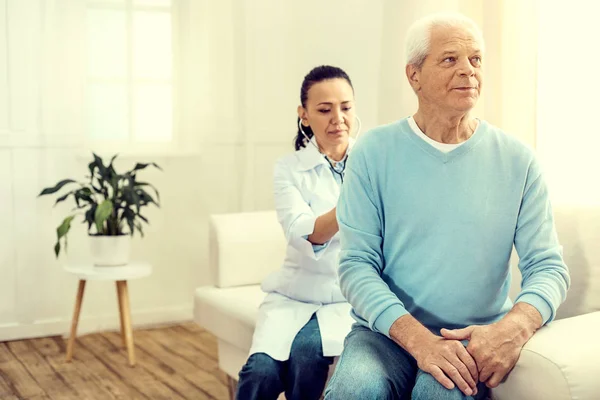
451,76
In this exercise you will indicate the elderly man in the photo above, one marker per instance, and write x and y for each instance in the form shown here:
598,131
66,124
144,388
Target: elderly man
429,212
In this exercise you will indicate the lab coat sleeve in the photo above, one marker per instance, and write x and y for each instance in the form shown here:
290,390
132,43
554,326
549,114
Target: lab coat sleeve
293,212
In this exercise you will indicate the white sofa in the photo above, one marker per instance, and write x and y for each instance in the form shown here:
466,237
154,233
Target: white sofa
562,361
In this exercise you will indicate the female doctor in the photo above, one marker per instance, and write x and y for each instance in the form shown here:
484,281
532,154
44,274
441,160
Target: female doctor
304,318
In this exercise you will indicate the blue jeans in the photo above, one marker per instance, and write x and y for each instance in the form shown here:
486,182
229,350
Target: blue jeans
302,376
374,367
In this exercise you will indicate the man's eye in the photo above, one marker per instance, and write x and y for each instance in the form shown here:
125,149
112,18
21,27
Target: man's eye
347,108
449,59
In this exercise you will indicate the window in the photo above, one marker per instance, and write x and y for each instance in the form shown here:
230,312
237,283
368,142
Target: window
568,133
129,91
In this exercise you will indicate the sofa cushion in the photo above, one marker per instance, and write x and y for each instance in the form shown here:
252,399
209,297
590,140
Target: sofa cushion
560,362
579,233
229,313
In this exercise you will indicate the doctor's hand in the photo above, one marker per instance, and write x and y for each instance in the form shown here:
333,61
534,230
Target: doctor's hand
449,363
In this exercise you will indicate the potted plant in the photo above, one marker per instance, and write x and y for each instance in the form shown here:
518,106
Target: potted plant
111,205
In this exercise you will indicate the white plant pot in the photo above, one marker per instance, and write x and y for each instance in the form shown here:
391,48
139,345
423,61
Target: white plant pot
110,251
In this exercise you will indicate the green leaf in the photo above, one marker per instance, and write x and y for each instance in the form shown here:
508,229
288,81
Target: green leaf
99,165
98,190
144,197
63,228
92,167
129,216
130,198
136,201
63,198
142,184
131,227
84,194
104,176
114,181
103,211
61,232
113,159
90,214
140,166
139,228
56,188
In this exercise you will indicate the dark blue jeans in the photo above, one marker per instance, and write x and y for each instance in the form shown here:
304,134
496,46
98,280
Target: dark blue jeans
373,367
302,376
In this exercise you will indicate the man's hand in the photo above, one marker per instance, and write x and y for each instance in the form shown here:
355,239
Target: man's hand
496,347
492,347
445,359
441,358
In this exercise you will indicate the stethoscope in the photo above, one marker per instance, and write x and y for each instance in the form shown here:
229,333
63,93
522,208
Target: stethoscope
340,173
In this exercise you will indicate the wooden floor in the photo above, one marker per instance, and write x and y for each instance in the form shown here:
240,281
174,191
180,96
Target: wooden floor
178,362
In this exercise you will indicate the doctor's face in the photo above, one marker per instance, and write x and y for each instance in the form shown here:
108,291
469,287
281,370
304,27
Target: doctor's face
329,112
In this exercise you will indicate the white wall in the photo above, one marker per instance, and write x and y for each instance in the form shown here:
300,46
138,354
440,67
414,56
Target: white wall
274,45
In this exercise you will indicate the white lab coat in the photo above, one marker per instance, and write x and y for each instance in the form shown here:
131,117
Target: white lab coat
307,283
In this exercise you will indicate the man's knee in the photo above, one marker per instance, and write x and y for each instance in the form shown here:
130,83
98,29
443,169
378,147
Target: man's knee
427,387
358,386
371,367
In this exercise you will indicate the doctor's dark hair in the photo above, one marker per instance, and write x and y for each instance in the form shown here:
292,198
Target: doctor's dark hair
316,75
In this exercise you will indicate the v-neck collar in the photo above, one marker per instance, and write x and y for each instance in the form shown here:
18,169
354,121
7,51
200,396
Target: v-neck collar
445,157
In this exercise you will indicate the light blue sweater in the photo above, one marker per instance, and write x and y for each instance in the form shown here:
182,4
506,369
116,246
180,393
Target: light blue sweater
431,233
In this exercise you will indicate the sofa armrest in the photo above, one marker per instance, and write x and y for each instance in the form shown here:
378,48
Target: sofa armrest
244,247
560,362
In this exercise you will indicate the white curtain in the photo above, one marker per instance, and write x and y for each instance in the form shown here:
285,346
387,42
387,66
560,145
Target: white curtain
41,91
542,84
568,86
43,75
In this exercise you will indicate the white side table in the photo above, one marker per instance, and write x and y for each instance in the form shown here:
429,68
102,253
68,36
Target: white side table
88,272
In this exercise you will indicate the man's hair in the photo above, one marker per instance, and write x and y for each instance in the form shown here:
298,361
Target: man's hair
418,37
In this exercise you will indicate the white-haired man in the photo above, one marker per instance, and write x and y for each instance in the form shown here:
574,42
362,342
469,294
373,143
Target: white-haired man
429,211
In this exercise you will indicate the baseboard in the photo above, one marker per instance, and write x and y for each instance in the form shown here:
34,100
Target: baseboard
91,324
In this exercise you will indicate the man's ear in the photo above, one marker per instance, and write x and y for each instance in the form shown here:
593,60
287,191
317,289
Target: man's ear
302,115
413,74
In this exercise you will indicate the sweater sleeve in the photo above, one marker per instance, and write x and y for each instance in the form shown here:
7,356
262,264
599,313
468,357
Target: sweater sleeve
545,277
361,257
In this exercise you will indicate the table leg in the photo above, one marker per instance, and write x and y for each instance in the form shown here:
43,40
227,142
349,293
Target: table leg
126,318
231,387
75,320
120,297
